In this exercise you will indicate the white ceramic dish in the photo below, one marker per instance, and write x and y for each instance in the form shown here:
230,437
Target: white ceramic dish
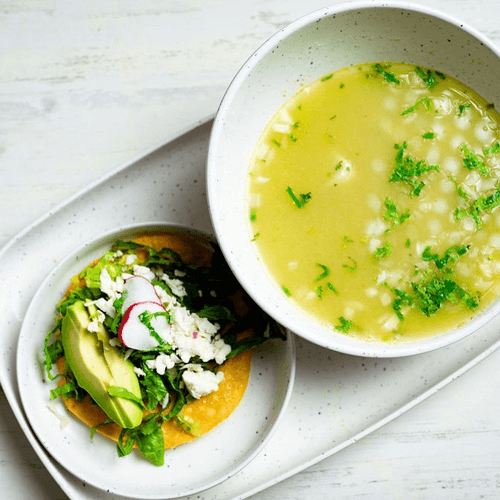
373,392
318,43
189,468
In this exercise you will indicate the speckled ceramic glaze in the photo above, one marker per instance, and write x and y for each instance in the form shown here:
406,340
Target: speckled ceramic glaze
188,469
312,46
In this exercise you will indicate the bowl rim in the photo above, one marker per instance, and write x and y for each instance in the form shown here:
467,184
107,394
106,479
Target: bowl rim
359,347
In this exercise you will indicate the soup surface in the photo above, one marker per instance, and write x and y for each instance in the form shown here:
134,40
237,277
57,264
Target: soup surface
373,200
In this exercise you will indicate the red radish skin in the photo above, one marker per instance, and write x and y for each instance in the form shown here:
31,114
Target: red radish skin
135,334
139,289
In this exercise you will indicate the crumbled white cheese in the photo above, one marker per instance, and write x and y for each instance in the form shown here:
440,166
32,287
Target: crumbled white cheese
130,259
143,271
203,382
112,288
176,286
139,371
106,306
162,362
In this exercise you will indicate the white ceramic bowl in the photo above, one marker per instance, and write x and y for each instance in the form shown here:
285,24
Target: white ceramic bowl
316,44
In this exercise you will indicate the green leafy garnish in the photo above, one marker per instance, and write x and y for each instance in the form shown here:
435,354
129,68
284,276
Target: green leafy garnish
344,326
463,107
430,77
494,149
300,200
325,272
473,161
382,69
431,294
428,135
408,171
352,267
392,214
401,300
478,206
425,102
383,251
449,257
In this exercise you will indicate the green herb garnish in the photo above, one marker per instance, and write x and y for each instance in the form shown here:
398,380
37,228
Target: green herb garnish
325,272
392,213
463,107
425,102
449,257
408,170
478,206
494,149
388,75
472,161
344,326
430,77
352,267
383,251
300,200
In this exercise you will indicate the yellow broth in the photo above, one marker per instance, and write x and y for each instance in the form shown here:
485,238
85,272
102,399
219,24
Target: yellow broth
372,199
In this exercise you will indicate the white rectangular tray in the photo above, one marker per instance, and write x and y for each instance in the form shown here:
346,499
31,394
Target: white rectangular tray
337,398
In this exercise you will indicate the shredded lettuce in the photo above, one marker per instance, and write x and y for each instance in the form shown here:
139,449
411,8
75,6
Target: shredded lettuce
209,295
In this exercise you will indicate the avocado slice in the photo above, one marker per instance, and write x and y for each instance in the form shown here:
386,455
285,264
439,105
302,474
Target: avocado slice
97,365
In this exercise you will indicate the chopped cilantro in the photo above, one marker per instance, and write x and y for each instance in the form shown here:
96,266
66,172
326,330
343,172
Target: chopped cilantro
494,149
388,75
408,243
383,251
402,299
276,143
332,288
325,272
344,326
327,77
408,170
429,135
253,215
319,291
287,291
473,161
292,137
449,257
392,213
431,294
425,102
352,267
478,206
299,201
430,77
463,107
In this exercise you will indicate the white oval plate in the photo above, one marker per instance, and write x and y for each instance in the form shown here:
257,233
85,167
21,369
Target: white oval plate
188,469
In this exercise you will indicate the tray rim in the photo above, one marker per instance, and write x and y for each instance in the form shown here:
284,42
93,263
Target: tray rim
59,474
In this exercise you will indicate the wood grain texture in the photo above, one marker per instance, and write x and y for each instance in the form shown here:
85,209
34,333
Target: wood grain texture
87,85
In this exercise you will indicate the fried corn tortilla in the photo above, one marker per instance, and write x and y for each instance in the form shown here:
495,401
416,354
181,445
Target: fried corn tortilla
209,410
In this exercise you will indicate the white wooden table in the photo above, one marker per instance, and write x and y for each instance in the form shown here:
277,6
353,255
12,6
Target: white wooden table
87,85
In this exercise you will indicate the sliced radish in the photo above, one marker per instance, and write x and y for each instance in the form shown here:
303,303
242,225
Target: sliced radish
137,335
138,289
